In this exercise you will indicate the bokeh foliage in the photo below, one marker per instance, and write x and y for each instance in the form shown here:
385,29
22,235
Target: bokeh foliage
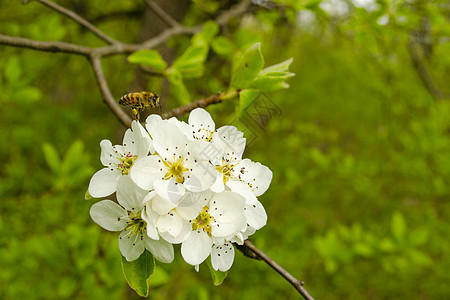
359,204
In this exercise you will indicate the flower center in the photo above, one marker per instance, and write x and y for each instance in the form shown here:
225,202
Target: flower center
226,168
175,169
203,221
136,226
125,163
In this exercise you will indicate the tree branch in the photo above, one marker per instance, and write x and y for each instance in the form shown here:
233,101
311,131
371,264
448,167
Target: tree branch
291,279
214,99
106,93
76,18
162,14
44,45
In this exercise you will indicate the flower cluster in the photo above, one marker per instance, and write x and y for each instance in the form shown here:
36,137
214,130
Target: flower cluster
180,183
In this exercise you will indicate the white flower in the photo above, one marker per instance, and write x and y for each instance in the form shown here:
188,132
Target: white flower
250,179
174,168
119,159
199,228
135,223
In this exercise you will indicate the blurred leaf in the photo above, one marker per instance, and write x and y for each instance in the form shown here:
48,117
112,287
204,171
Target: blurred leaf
217,276
398,226
419,237
73,158
27,95
247,67
177,86
272,78
150,58
159,277
209,6
137,272
52,158
223,46
387,245
13,70
209,31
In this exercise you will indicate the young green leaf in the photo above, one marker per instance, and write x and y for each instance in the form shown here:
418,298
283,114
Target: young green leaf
137,272
52,157
150,58
190,63
247,67
246,98
217,276
272,78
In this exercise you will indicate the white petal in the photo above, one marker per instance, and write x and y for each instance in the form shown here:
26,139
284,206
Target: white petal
256,175
143,140
146,170
222,257
162,205
228,229
129,195
169,141
161,250
242,189
152,123
185,233
227,206
171,223
201,177
256,215
108,155
131,247
150,217
231,140
201,123
169,189
218,186
196,248
108,215
104,182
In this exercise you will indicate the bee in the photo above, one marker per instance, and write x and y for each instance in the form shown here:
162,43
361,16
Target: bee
139,101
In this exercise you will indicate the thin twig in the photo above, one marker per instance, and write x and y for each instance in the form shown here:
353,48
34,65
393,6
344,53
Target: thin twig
107,96
48,46
213,99
77,18
162,14
291,279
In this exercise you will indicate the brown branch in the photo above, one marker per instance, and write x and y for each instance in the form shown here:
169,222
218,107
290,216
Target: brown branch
214,99
106,93
72,15
162,14
291,279
44,45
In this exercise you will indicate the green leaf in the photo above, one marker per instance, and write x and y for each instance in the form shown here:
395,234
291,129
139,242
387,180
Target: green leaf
247,67
27,95
209,31
272,78
398,226
13,70
190,63
223,46
52,157
177,86
73,158
137,272
246,99
150,58
217,276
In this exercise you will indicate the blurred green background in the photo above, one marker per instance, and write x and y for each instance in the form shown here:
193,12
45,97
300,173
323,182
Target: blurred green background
359,147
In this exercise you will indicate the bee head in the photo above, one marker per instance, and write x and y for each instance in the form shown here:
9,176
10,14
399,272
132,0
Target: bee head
155,100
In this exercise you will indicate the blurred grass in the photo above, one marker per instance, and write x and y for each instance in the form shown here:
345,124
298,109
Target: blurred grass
358,207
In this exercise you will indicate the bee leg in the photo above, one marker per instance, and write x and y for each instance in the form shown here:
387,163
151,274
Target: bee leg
135,112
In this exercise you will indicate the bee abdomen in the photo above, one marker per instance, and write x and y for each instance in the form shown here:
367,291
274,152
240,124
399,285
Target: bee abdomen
129,99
